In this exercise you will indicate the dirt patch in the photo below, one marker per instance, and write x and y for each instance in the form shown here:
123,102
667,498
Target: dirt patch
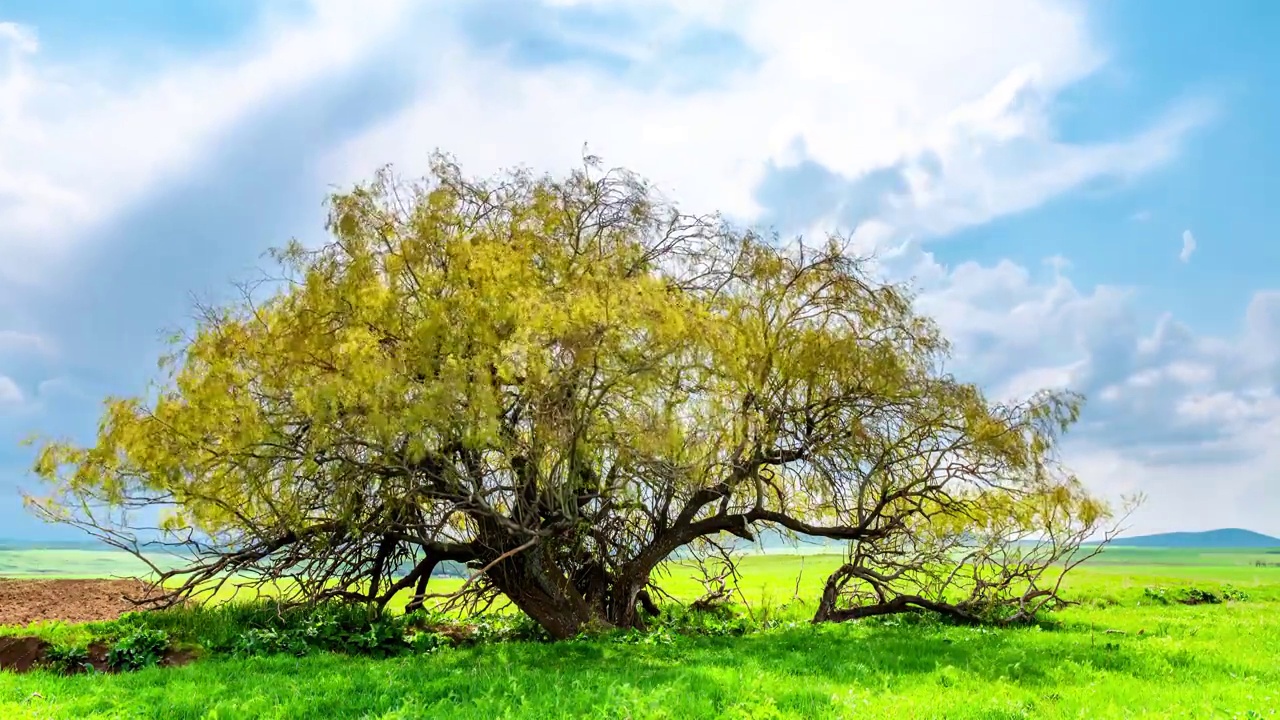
458,633
23,602
20,654
24,654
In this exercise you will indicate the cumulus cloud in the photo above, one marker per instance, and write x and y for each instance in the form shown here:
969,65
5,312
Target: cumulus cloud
957,107
1188,246
1169,412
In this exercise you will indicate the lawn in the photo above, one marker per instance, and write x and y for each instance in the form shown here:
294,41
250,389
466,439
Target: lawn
1116,655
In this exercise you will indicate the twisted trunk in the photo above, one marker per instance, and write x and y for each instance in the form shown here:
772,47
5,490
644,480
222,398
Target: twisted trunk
535,583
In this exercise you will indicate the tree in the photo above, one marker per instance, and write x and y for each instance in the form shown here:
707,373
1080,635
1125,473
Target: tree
561,382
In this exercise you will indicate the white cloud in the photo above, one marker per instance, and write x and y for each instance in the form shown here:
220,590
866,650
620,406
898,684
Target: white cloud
1188,246
1009,328
15,342
959,101
10,393
1179,416
1183,417
78,146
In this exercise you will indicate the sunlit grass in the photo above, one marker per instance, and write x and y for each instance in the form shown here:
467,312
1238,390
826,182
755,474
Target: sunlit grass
1115,655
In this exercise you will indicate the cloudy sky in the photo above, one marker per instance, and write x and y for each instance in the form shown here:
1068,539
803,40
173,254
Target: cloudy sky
1080,192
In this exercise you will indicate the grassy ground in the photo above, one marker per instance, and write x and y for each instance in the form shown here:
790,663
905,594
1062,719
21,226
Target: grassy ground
69,564
1167,661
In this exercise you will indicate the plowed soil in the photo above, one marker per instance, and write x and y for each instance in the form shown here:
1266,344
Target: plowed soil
23,602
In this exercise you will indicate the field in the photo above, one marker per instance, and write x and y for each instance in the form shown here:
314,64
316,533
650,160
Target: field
1119,654
68,564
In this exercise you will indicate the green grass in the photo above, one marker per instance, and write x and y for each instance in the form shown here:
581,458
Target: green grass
1207,661
69,564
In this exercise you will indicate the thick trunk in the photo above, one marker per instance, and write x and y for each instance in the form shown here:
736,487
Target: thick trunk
624,610
533,582
561,620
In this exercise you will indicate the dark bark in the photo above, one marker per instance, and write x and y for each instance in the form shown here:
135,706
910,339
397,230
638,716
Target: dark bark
647,604
624,611
536,585
428,566
900,604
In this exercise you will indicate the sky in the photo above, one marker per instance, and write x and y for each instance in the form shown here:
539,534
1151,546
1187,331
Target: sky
1078,192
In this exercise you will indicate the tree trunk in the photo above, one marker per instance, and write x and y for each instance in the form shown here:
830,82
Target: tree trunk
561,620
828,612
533,582
624,611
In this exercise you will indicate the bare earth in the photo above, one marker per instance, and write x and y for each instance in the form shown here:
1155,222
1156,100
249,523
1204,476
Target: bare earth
74,601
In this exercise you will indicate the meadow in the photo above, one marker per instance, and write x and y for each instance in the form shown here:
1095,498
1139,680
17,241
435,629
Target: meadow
1119,653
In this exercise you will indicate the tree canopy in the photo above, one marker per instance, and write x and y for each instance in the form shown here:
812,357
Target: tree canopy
562,381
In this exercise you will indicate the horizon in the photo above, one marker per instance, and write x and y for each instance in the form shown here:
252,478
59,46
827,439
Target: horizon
760,546
1077,191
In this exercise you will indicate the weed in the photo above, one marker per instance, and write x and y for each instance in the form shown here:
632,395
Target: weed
1193,595
141,648
426,642
67,659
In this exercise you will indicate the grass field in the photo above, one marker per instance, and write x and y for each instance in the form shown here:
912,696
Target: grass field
69,564
1116,655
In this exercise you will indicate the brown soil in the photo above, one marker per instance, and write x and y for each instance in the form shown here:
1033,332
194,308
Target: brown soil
23,602
24,654
19,654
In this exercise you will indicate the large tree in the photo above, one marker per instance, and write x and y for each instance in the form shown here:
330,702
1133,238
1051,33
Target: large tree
562,381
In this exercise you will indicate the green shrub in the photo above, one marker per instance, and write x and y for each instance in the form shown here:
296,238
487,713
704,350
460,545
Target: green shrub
718,621
67,659
143,647
1234,594
428,642
330,627
1193,595
268,641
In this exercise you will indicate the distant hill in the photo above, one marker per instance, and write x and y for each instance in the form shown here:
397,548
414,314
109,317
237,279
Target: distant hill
17,544
1224,538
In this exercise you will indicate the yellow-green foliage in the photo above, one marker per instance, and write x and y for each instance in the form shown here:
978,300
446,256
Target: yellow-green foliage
545,361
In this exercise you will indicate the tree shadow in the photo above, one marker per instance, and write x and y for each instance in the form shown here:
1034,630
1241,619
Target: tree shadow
797,671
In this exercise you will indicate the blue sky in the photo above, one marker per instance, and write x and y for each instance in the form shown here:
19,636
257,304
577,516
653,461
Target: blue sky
1079,191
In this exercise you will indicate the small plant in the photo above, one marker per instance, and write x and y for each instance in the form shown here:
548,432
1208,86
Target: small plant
1194,595
1156,594
328,627
383,636
1234,594
68,660
716,621
269,641
523,627
657,636
142,647
427,642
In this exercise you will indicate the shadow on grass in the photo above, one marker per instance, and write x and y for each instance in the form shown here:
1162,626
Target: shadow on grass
796,673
